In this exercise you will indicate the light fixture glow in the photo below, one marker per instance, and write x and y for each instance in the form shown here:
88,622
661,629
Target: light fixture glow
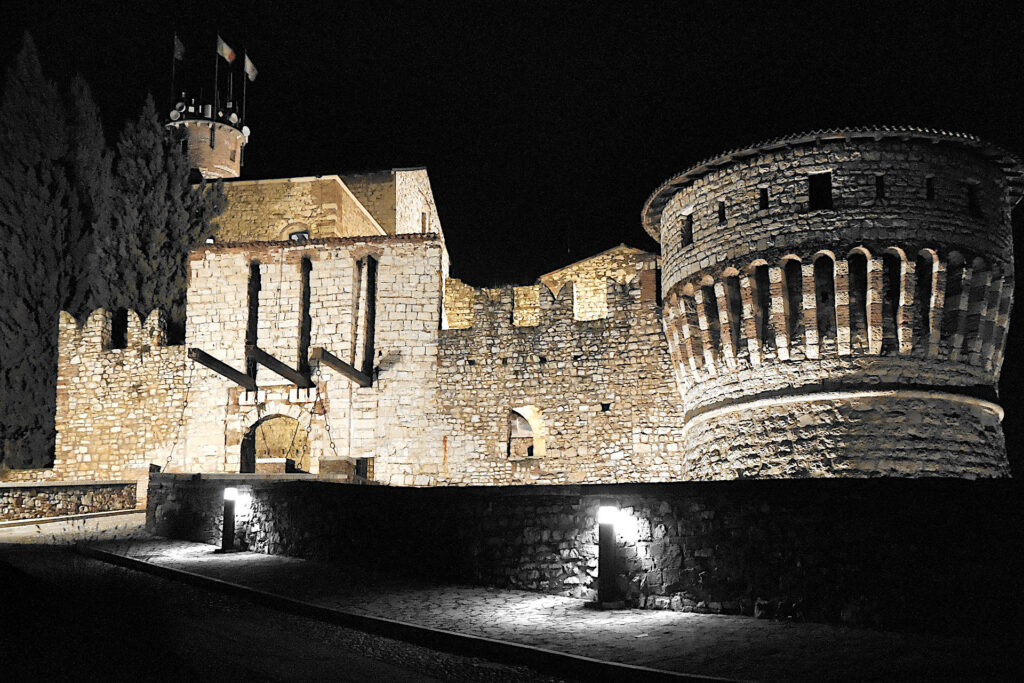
230,493
607,514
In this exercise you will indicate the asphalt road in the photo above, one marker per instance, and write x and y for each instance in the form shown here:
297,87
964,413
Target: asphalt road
67,617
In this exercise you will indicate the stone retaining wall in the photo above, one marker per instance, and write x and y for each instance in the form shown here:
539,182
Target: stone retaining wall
924,554
31,501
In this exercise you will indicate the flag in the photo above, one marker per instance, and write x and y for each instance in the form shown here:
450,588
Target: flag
225,51
179,49
250,68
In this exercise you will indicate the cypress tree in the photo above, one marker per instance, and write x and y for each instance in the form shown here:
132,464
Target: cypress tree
45,237
158,217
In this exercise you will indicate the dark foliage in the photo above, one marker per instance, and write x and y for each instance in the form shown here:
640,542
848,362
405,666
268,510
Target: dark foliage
53,189
159,217
79,230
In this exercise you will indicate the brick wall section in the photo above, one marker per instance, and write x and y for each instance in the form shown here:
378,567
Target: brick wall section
31,501
117,409
269,210
933,333
894,553
600,392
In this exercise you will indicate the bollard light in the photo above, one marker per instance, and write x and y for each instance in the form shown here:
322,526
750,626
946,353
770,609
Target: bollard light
607,597
227,537
607,514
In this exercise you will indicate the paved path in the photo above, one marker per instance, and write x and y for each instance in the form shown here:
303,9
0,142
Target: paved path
713,645
75,528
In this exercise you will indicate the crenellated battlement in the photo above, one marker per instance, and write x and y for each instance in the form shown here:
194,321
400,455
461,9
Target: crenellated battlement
97,333
533,306
584,291
120,395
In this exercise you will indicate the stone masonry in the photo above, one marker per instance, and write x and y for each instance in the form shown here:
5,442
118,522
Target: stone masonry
835,305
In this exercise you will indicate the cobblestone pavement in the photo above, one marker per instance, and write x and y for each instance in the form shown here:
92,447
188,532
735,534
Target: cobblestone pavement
713,645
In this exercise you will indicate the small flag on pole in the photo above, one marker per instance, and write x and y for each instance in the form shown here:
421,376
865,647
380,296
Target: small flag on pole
250,68
179,48
225,51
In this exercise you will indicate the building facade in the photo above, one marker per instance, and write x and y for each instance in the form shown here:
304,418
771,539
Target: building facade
835,305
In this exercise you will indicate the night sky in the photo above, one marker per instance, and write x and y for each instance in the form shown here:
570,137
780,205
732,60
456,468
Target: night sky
544,130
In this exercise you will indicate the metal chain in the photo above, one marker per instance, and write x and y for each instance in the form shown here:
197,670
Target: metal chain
323,408
181,417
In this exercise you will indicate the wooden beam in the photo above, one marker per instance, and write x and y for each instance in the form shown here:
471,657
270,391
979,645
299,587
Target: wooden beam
266,360
321,355
221,368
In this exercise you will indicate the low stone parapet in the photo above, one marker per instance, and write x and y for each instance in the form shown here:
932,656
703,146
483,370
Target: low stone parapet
32,500
893,553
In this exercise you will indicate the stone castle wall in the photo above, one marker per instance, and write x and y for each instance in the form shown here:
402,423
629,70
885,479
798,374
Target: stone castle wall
391,421
803,331
598,393
118,409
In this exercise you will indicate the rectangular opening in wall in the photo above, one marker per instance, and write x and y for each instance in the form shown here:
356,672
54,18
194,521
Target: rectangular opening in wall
929,187
973,205
687,230
762,202
253,320
879,187
306,325
423,221
721,212
819,191
119,329
231,155
369,314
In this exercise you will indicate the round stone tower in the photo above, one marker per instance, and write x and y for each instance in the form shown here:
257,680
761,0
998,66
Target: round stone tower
837,304
215,143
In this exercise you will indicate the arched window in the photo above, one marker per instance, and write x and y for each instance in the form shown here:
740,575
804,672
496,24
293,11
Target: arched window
526,433
520,436
954,289
762,297
924,289
794,299
976,301
689,306
857,262
711,314
735,302
825,300
892,280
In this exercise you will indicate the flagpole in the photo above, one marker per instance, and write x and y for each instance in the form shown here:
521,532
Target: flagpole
174,63
216,73
245,82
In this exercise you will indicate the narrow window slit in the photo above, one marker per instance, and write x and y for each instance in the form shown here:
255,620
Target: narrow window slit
819,190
